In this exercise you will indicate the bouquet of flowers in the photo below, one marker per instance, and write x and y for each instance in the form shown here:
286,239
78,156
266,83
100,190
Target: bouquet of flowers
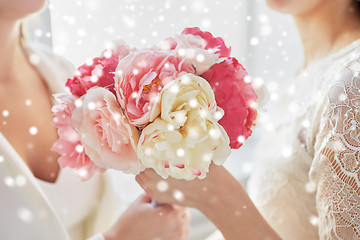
175,107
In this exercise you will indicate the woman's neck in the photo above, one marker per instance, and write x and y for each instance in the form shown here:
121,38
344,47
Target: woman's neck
327,29
12,58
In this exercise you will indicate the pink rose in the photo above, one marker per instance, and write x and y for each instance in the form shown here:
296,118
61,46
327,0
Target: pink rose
193,49
106,134
140,76
100,71
236,96
167,44
69,145
210,41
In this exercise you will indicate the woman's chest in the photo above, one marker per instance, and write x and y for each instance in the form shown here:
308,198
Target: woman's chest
26,122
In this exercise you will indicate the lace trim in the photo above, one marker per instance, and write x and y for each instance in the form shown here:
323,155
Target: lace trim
338,196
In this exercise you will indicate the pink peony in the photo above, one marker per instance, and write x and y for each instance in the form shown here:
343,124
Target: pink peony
167,44
106,134
69,145
210,41
140,76
236,96
99,72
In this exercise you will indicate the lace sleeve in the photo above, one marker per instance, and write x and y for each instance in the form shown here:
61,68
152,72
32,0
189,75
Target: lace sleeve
337,153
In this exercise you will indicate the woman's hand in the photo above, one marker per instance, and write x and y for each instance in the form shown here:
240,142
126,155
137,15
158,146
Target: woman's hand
142,221
181,192
219,196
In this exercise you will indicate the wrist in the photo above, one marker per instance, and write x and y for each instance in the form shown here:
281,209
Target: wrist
218,188
212,197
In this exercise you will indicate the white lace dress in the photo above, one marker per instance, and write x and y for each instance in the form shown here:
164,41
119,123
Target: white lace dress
306,179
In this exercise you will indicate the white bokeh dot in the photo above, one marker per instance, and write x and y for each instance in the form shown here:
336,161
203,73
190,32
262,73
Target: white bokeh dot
203,113
5,113
20,180
254,41
247,79
9,181
25,215
91,106
200,57
247,167
148,151
33,130
162,186
174,89
78,102
34,59
28,102
134,95
180,152
314,220
286,151
79,148
170,127
218,115
178,195
82,173
241,139
310,187
38,33
214,133
207,157
193,103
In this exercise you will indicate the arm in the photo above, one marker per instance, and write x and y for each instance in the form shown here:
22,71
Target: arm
219,196
337,163
234,214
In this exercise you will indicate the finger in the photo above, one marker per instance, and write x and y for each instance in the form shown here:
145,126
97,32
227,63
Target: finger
168,211
183,213
151,173
166,207
180,209
139,177
186,214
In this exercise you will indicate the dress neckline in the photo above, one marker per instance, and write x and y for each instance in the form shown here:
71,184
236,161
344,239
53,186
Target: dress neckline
57,181
331,57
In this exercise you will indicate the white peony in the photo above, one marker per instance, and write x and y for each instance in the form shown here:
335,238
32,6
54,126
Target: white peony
184,140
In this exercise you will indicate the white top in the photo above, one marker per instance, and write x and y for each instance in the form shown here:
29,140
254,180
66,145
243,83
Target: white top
68,209
72,199
306,178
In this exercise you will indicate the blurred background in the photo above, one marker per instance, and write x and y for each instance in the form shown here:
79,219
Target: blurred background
264,41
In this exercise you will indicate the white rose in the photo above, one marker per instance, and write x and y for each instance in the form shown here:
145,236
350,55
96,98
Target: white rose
186,137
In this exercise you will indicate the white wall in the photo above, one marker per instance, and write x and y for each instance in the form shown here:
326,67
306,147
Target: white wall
274,46
273,55
83,28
